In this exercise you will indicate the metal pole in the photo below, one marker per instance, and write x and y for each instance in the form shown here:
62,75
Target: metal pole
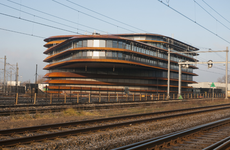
226,86
36,74
179,81
10,80
4,84
16,77
168,87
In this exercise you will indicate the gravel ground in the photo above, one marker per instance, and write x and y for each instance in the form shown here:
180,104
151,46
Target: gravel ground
117,137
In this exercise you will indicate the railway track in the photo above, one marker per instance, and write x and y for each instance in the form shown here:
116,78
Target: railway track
32,109
13,137
214,135
57,108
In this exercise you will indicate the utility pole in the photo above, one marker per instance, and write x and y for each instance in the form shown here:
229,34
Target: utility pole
16,77
10,80
168,82
4,84
36,74
179,81
226,74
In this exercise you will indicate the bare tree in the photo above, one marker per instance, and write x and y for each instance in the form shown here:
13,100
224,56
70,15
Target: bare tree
40,79
222,79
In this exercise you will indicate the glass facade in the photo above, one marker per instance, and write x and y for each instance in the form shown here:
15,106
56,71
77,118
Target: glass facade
144,50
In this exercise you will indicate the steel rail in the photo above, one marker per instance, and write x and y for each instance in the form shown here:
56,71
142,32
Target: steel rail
72,132
121,103
34,128
166,139
33,111
220,145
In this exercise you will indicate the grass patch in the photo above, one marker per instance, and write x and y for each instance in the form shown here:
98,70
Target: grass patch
70,112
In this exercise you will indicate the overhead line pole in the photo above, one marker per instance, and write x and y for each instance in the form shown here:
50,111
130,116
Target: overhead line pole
186,63
4,84
168,82
36,74
226,74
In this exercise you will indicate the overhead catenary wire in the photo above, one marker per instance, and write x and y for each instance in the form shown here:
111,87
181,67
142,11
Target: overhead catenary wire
22,33
211,15
216,12
210,71
42,17
56,16
107,16
20,18
195,22
93,16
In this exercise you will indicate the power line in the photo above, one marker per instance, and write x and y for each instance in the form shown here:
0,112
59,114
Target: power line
211,15
55,16
22,33
106,16
20,18
216,11
194,21
40,17
209,71
92,16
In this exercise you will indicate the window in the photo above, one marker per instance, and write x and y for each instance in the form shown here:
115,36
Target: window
124,45
114,44
84,53
160,55
95,53
84,43
90,43
108,54
127,57
101,43
143,50
89,53
119,55
147,52
151,53
109,43
128,46
114,54
79,44
96,43
134,48
119,44
102,53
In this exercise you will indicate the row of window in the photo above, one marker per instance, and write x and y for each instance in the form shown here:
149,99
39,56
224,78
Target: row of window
120,56
127,72
119,44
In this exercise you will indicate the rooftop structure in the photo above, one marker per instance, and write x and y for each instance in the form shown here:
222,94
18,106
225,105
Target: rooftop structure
111,62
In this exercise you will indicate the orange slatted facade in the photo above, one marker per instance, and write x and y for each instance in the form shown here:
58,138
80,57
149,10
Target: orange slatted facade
97,63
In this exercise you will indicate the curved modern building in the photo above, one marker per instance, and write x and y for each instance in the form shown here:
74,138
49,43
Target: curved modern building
113,62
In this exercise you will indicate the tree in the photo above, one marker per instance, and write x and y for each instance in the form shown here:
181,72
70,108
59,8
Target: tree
222,79
40,79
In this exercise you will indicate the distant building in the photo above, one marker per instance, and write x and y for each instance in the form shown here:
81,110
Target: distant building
207,85
113,62
12,83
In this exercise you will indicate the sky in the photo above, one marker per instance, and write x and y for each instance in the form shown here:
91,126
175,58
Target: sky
200,23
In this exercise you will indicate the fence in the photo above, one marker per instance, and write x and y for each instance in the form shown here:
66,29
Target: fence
33,96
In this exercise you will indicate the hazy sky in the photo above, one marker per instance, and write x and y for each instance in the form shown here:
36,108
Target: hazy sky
148,15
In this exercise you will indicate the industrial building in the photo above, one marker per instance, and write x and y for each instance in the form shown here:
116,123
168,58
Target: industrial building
134,62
